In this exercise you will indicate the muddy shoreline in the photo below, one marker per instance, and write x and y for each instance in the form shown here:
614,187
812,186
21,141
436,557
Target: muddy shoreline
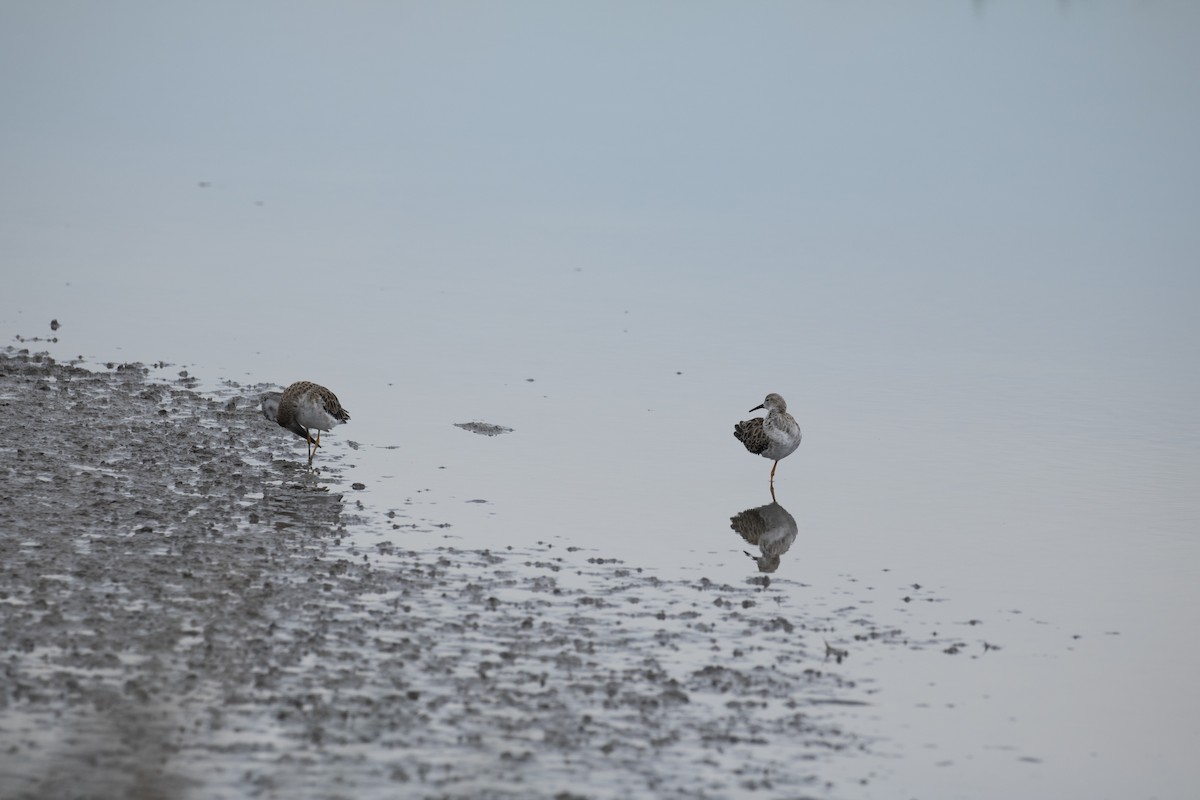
183,614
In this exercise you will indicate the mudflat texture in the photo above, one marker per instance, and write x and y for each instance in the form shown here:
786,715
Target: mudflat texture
184,613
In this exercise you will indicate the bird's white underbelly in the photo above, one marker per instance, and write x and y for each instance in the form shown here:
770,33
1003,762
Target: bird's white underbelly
781,443
313,415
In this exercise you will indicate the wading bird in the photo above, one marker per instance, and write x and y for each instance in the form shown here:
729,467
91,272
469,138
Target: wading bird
775,436
305,407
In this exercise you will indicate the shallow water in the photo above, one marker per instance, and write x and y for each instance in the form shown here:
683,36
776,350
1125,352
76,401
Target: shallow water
186,614
970,273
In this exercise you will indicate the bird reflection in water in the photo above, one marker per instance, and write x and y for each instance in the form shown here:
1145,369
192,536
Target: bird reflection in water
770,528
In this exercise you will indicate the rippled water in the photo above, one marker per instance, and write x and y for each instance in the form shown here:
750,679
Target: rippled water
960,242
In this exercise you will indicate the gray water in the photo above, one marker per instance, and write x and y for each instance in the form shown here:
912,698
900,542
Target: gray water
960,240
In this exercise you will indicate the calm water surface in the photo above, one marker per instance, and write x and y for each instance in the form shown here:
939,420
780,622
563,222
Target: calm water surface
960,241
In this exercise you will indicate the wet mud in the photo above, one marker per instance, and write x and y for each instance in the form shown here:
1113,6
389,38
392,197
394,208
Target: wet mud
184,613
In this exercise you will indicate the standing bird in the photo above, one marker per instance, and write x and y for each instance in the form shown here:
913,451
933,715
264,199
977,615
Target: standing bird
305,407
775,436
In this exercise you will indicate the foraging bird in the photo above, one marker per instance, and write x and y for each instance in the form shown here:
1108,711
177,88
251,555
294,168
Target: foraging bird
775,436
305,407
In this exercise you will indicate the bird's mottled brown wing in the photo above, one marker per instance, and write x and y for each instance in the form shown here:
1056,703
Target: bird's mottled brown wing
333,405
751,434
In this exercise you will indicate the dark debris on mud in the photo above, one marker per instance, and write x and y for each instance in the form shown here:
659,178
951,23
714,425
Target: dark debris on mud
483,428
184,616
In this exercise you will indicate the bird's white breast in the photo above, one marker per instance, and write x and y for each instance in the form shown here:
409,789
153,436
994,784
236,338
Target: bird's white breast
311,413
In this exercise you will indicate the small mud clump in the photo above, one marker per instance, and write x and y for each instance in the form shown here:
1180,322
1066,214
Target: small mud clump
483,428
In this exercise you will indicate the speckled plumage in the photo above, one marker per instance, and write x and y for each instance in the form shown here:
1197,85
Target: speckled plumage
774,436
305,407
